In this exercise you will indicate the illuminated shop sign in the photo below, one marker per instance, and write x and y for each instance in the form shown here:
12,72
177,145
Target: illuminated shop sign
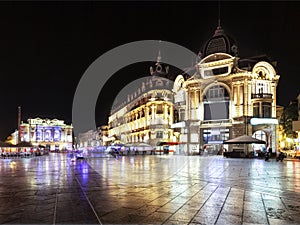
258,121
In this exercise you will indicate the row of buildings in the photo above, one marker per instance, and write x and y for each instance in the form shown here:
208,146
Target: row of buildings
226,97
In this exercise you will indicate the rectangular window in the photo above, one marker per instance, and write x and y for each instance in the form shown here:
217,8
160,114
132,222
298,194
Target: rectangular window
159,134
216,111
256,109
219,71
266,110
241,94
159,109
235,95
181,114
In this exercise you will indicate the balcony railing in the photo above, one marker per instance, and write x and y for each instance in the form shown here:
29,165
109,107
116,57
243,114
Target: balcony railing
262,95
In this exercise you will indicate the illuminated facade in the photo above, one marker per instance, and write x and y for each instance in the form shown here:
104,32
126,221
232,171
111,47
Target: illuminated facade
226,97
89,139
296,126
147,113
53,134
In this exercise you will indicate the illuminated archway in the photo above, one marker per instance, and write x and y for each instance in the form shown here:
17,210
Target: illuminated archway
261,135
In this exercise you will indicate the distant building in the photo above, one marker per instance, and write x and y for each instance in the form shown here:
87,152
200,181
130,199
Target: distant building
89,139
296,126
53,134
103,135
281,136
226,97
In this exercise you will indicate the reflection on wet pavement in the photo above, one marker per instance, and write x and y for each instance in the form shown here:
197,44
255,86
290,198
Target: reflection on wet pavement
152,189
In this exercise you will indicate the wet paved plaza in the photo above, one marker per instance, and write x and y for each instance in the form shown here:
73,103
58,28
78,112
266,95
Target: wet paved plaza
150,189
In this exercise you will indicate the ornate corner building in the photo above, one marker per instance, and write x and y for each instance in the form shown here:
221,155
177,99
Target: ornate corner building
146,115
226,97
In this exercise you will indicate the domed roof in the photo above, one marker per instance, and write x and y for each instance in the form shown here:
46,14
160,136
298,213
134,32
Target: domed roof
220,42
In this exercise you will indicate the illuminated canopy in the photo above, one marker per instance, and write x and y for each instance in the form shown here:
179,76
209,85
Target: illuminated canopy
258,121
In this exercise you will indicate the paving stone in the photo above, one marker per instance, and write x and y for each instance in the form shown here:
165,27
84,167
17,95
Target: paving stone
229,219
156,218
254,206
170,207
255,217
205,219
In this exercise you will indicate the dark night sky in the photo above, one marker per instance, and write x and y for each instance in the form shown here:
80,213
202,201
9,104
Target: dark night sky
45,47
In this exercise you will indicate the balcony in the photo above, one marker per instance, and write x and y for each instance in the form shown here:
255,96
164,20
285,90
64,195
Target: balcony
262,95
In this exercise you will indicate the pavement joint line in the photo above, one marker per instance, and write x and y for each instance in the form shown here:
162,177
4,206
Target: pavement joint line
55,206
205,200
182,204
92,207
223,205
261,195
249,189
244,195
287,209
189,200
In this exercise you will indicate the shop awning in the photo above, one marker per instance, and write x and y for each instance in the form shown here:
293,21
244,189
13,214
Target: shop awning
161,143
24,144
4,144
245,139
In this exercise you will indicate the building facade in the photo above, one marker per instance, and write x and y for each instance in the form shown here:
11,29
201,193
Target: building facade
54,134
89,139
296,127
226,97
147,113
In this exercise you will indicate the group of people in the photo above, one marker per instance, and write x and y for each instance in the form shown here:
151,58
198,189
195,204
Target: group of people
5,155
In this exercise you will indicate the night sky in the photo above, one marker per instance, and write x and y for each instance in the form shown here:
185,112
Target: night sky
45,47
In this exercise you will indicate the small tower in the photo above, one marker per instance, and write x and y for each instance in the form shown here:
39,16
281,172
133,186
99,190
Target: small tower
159,70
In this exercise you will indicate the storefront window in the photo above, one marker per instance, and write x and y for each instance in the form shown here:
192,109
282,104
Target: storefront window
215,135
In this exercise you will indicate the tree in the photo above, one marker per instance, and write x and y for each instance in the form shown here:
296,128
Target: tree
290,113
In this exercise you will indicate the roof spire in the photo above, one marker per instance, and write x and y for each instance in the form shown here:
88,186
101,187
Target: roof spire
219,16
219,29
158,57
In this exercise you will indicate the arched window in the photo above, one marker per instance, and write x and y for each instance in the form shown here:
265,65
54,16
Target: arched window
216,103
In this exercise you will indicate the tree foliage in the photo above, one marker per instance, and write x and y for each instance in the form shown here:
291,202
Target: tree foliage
290,113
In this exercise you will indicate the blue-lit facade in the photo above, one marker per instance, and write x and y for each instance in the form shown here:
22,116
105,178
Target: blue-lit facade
53,134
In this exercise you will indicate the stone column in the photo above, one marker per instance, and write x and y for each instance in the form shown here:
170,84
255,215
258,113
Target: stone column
165,112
